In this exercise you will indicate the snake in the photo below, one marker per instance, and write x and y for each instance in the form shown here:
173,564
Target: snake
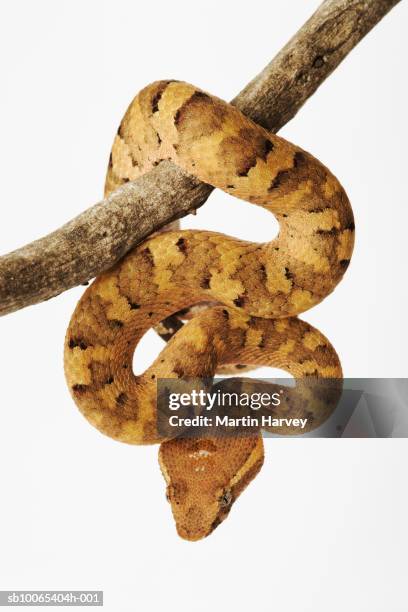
258,290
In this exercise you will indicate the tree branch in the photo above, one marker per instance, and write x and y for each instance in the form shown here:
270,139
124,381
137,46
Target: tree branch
97,238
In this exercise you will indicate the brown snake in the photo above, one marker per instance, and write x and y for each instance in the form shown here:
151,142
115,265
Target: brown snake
261,289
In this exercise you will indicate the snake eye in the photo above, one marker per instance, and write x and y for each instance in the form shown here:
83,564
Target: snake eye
225,499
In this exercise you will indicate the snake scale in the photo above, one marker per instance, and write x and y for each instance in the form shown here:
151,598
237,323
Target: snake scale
260,288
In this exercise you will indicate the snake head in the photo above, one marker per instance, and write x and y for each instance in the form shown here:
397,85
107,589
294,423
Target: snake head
204,478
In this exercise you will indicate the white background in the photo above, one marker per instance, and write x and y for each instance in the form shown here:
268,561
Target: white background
323,527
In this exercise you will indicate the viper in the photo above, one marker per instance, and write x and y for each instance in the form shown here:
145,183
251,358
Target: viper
259,289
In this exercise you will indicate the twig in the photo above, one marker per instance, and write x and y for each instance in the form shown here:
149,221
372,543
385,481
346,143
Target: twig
96,239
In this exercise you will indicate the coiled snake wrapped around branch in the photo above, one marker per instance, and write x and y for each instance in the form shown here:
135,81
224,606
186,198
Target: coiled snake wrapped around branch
260,287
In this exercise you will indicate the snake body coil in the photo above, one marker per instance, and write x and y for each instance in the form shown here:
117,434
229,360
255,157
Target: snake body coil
261,288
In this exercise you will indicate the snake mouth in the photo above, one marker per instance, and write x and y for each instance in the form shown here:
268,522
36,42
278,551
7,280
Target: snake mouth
194,535
196,525
191,536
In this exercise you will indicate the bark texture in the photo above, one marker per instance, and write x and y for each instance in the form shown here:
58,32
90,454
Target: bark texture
97,238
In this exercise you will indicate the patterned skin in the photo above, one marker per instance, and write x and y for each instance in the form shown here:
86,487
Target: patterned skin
260,288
